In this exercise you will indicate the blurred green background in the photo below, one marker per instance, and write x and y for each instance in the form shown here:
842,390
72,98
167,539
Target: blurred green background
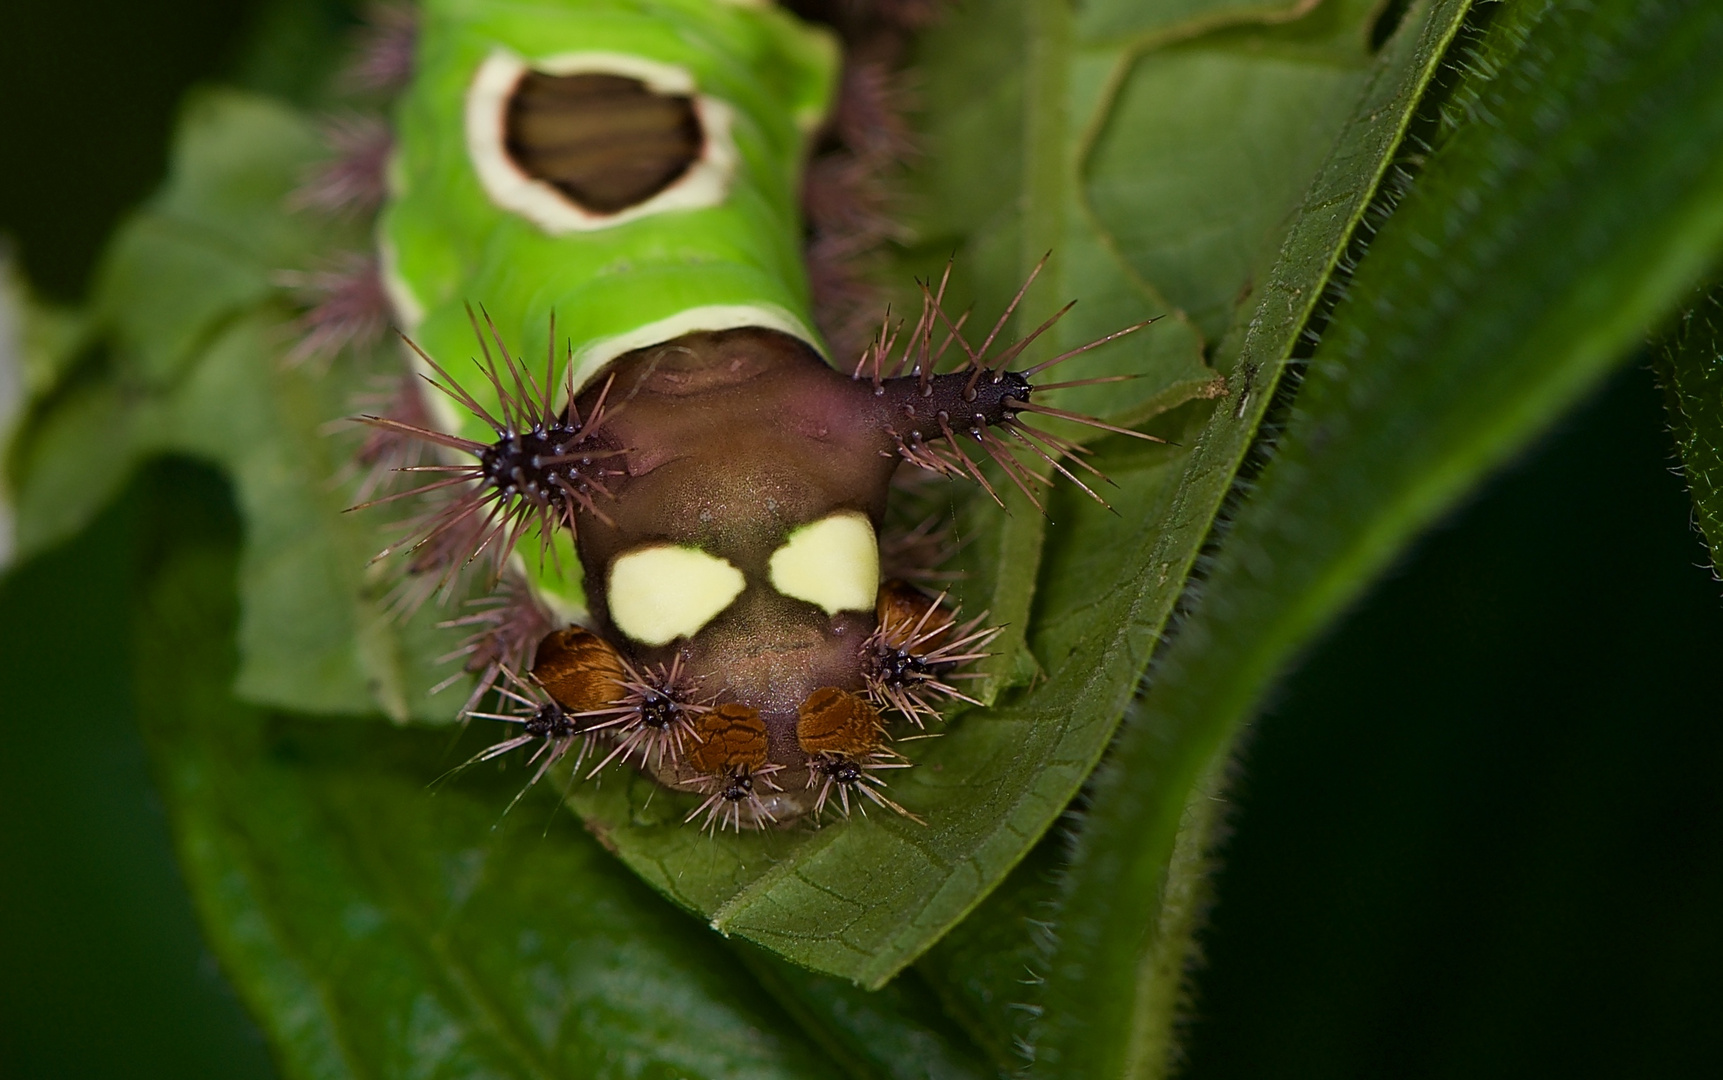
1480,833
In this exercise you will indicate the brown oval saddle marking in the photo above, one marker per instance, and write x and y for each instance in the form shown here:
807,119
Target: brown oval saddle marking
605,141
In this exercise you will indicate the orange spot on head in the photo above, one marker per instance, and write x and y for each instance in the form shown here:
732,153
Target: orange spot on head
579,669
833,721
901,608
731,737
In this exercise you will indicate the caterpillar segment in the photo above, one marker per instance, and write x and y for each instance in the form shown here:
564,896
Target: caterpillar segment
681,498
733,554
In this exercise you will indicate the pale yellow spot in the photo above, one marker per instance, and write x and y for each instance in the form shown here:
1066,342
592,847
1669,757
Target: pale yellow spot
658,594
833,563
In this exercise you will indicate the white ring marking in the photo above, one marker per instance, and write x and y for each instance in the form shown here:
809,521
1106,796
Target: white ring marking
590,360
706,183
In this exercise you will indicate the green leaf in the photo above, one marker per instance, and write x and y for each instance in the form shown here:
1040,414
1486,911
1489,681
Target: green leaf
41,339
1516,272
1145,23
1083,592
378,925
1689,363
897,1031
1084,611
310,627
39,343
196,335
61,477
1285,94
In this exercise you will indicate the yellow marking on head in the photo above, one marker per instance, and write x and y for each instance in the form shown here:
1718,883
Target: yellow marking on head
833,563
660,593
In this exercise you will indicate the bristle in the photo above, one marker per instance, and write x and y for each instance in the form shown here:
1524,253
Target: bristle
1003,454
940,412
353,179
1079,418
655,720
845,203
386,451
909,15
844,776
556,731
974,470
383,54
347,308
848,200
503,629
727,796
911,664
917,552
923,455
872,110
543,469
1030,373
847,226
1027,481
437,569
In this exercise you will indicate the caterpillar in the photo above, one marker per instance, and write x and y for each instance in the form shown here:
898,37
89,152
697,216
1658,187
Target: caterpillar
677,487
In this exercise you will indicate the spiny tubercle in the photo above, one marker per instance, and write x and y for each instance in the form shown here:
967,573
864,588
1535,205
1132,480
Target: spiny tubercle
957,401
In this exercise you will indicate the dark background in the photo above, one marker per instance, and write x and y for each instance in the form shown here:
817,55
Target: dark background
1480,833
